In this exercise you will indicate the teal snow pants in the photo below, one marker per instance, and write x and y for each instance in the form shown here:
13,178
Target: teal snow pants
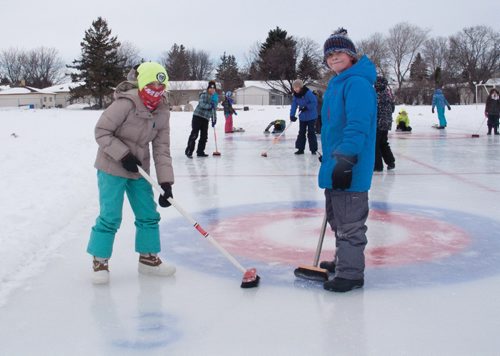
441,117
141,198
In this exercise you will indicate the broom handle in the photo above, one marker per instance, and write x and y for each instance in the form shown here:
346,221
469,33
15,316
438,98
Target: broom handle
320,241
188,217
276,139
215,134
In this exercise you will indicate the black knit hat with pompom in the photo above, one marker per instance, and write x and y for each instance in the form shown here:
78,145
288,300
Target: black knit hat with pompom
339,42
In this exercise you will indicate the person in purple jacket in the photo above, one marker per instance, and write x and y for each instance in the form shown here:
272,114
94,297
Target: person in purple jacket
306,102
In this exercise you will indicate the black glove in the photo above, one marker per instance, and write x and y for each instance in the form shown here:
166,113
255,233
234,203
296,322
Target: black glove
130,163
433,110
214,121
162,200
342,173
320,158
303,109
449,107
293,118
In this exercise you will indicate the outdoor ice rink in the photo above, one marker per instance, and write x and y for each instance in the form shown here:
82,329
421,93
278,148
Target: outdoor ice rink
432,283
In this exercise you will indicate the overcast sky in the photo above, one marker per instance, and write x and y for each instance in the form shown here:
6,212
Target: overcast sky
231,26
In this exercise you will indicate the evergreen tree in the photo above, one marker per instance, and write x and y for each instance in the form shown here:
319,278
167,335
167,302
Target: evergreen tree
308,69
418,69
99,67
278,56
228,73
176,62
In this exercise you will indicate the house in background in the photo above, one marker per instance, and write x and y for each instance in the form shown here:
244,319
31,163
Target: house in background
32,98
62,94
57,96
256,92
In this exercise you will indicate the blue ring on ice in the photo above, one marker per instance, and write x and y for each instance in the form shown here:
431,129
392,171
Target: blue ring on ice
183,245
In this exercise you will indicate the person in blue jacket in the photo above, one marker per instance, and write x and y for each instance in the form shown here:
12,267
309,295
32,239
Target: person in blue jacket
349,126
439,102
306,102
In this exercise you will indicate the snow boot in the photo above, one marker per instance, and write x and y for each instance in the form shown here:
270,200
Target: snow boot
342,285
328,265
202,154
101,271
391,166
188,153
151,264
299,152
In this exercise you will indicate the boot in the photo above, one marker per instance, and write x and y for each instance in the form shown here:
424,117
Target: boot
151,264
328,265
343,285
101,271
299,152
202,154
188,153
489,130
391,166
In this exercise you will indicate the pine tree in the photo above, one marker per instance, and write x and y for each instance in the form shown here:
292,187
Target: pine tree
418,69
228,73
307,68
176,63
100,67
278,56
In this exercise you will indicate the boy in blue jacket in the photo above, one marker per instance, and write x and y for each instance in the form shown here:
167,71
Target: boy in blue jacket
306,101
349,125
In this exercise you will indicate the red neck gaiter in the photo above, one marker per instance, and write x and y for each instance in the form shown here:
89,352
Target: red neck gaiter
151,95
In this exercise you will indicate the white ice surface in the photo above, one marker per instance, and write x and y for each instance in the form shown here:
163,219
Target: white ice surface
440,300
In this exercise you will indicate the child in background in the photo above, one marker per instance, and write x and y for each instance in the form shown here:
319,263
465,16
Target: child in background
278,126
403,121
385,108
440,102
492,111
227,104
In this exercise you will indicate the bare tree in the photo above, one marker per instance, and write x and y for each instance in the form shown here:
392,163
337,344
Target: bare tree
44,67
475,52
375,48
129,54
40,67
200,64
11,65
435,52
403,44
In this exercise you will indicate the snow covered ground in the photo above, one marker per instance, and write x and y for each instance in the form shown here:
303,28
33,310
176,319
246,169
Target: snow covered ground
433,259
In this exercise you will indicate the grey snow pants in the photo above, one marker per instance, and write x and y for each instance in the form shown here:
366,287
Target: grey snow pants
347,213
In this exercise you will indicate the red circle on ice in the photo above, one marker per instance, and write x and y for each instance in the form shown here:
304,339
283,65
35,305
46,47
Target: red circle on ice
290,237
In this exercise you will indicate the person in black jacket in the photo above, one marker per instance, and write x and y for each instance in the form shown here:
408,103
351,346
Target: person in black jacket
385,108
492,111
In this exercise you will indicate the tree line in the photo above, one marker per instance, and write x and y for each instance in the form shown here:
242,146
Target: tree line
415,62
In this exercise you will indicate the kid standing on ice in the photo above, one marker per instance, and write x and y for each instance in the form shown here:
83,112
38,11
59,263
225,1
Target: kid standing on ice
204,112
138,116
306,102
492,111
227,104
439,102
385,108
348,133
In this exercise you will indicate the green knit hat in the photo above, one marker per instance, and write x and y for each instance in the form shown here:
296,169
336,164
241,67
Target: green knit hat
149,72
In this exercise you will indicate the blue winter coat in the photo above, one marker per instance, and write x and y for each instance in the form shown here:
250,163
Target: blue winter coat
438,99
305,98
349,118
